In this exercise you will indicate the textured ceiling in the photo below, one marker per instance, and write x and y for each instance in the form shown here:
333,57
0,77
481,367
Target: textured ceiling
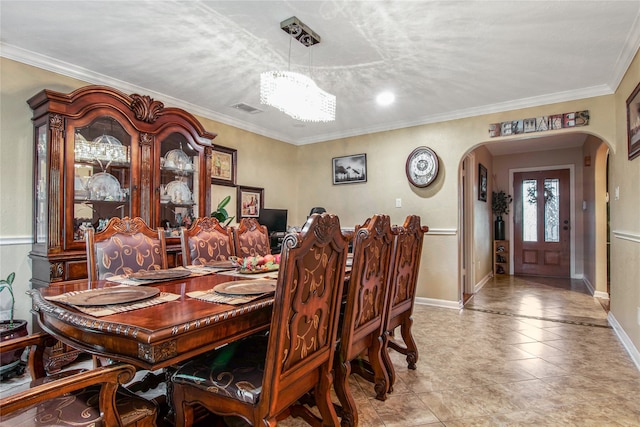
442,59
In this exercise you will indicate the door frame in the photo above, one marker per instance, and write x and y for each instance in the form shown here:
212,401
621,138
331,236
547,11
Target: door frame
572,211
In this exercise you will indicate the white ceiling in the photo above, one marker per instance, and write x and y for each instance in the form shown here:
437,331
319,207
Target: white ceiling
442,59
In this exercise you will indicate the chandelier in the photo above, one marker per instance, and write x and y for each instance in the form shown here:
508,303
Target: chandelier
294,93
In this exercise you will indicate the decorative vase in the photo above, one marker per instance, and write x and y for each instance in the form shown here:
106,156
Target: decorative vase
499,228
10,362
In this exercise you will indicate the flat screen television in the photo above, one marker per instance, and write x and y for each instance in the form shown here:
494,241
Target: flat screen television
274,219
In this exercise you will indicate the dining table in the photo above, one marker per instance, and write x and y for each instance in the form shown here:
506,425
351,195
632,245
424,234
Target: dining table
172,319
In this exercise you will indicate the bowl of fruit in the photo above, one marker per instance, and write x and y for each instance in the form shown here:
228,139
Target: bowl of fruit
256,264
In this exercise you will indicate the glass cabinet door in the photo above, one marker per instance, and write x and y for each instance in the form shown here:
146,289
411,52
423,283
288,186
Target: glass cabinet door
179,183
102,175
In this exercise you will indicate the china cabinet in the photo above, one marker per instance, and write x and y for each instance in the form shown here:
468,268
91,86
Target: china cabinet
100,153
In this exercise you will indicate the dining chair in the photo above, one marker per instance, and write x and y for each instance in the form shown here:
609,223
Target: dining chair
406,264
251,238
205,241
364,314
74,397
260,378
125,246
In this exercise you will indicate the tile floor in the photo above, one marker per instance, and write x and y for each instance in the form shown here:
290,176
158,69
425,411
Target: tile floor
523,352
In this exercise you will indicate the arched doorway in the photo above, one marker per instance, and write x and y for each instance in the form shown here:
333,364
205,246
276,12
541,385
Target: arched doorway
587,153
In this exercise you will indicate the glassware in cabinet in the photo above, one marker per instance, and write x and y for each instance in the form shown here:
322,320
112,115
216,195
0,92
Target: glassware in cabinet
102,175
179,183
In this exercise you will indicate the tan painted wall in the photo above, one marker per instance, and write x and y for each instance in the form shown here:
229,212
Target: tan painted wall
595,215
483,217
625,218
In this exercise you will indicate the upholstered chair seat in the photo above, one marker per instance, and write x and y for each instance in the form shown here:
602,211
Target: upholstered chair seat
75,397
235,370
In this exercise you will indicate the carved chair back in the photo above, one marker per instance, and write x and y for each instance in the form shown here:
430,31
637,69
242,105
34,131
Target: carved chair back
125,246
251,238
406,264
74,397
365,311
205,241
260,377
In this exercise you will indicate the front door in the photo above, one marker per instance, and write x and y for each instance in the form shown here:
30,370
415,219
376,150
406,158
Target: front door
542,228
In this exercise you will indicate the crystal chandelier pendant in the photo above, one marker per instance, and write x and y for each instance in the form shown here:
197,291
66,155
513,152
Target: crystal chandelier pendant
293,93
297,96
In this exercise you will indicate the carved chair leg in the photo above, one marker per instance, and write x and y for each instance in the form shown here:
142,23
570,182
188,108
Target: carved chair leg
411,347
323,398
184,414
381,378
341,387
388,364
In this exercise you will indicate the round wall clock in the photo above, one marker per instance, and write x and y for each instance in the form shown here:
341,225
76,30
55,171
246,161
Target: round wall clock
422,166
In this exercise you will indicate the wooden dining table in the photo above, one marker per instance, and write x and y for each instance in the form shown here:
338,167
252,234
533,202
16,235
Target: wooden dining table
158,336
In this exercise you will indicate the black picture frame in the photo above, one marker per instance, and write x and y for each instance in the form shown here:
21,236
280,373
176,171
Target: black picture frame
250,201
349,169
633,123
223,166
482,183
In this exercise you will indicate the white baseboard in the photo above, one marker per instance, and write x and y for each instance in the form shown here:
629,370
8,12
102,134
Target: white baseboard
600,294
482,282
439,303
586,281
625,340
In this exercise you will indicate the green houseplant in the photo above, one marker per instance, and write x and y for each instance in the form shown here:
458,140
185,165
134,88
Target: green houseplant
221,213
10,363
500,206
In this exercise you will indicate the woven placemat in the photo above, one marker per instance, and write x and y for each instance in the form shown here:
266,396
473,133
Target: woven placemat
106,310
212,296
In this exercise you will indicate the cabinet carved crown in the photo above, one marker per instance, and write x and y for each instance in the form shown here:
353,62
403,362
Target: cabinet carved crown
146,108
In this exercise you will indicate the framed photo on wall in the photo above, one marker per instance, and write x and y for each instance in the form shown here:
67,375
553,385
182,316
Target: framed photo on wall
250,201
633,123
350,169
482,183
223,166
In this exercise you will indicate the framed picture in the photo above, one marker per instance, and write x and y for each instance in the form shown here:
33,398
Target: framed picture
223,166
482,183
350,169
633,123
250,201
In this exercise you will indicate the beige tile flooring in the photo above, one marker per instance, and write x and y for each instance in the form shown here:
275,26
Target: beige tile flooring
523,352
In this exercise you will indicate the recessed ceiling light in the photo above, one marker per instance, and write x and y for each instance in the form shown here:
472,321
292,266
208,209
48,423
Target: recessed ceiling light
385,98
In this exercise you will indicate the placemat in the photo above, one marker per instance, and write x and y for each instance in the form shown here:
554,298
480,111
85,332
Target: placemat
234,273
212,296
107,310
125,280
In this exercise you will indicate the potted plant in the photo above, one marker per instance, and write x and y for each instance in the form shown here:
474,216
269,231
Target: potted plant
500,206
10,363
221,213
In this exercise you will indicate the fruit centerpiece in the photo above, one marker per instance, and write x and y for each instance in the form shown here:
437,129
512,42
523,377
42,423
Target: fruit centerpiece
257,264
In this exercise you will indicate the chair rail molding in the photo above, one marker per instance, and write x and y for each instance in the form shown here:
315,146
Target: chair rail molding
442,231
15,240
627,235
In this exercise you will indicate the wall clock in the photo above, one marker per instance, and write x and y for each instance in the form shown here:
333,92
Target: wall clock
422,166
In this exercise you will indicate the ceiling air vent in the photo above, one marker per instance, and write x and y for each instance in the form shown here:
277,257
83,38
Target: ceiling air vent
246,108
